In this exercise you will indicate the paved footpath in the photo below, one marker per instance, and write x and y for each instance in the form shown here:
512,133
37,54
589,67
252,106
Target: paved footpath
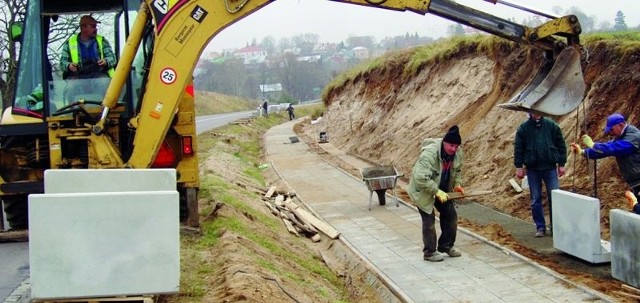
388,237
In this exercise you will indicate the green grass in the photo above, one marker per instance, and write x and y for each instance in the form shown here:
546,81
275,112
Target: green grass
195,269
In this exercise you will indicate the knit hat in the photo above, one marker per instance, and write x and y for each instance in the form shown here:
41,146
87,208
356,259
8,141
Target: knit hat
612,121
453,136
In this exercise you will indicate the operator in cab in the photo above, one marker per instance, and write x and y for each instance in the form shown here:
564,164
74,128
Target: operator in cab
87,55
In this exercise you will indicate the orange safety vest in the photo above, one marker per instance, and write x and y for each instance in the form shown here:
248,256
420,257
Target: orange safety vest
75,56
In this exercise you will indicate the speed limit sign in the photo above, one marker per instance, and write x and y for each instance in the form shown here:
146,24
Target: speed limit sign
168,75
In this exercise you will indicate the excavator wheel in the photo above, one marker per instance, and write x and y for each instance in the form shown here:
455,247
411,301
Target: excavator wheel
381,196
189,215
16,209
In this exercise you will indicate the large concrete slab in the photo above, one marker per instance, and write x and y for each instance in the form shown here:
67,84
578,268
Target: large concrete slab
108,180
576,227
625,246
103,244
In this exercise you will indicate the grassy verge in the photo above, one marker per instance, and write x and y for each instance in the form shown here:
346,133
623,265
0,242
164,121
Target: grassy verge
240,146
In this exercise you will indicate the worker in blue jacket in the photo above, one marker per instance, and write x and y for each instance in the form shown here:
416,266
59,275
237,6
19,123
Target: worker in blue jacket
625,147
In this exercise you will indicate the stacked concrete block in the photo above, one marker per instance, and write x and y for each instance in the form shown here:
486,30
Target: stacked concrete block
625,246
104,233
576,227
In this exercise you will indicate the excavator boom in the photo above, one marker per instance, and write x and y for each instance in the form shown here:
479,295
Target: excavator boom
184,28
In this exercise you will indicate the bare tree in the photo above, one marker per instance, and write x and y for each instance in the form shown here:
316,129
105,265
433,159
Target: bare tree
10,11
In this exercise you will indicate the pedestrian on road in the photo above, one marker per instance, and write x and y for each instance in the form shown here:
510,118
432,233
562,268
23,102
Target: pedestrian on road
264,108
540,152
437,171
625,147
290,110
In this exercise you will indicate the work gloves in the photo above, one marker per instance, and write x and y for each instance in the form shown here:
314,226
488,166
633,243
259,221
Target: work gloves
631,198
459,189
587,141
576,148
442,196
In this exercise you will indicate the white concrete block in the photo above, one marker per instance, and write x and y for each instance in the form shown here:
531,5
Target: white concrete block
576,227
103,244
108,180
625,246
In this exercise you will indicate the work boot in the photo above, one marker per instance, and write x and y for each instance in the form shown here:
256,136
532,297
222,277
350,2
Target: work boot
631,198
434,257
452,252
540,233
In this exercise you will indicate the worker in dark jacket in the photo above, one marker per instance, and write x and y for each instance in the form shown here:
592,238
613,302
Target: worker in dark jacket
625,147
540,152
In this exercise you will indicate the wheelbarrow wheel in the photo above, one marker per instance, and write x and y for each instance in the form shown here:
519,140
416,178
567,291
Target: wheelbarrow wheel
381,196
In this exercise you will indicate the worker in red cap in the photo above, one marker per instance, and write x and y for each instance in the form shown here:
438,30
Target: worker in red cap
437,171
625,147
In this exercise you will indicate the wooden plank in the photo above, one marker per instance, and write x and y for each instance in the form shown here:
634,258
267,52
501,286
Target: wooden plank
457,195
312,220
306,228
627,287
622,293
316,238
290,227
270,192
273,209
279,200
14,236
515,185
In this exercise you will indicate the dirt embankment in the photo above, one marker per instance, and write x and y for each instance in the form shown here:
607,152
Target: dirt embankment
384,117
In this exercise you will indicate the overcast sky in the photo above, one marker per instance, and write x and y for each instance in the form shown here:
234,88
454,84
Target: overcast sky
335,22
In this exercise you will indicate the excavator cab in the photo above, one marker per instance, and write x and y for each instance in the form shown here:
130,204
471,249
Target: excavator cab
43,87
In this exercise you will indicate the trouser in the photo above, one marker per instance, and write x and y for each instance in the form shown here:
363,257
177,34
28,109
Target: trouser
448,226
535,179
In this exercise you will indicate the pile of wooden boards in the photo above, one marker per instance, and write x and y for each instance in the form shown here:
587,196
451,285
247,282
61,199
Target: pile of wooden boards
296,218
630,292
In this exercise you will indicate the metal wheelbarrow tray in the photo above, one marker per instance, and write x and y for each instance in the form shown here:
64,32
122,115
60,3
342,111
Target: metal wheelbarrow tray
379,179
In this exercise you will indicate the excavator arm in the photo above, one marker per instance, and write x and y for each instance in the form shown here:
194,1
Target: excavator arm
182,30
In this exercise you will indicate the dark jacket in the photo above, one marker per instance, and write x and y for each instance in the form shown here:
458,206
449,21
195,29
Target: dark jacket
539,145
626,149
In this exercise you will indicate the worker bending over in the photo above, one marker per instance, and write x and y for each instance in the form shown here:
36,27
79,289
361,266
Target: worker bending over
625,147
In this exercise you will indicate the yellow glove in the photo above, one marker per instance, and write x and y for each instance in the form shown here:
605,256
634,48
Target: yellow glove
587,141
631,198
576,149
459,189
442,196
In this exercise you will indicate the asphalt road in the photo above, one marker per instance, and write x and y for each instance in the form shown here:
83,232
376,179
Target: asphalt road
14,267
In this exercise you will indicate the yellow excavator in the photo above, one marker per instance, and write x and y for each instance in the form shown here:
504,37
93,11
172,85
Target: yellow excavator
145,117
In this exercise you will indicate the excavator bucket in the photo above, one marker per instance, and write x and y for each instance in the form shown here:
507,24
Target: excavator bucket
556,90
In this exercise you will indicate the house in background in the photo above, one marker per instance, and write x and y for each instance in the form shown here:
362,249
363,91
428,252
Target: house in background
271,91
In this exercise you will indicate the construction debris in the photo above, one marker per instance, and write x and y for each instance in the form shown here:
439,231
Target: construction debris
515,185
297,220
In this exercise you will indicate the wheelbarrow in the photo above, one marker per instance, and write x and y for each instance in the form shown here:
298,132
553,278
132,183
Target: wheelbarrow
379,179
